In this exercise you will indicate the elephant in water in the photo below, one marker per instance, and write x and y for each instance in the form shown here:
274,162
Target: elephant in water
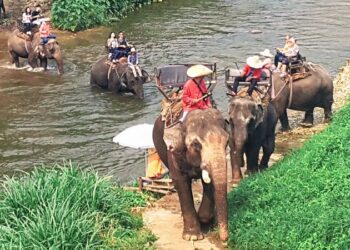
252,128
305,94
118,78
193,149
20,47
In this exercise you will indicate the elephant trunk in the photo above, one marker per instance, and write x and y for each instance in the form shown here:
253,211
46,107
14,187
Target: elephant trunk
138,90
240,136
214,161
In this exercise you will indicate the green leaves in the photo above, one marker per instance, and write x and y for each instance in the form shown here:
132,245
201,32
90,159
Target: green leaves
61,207
83,14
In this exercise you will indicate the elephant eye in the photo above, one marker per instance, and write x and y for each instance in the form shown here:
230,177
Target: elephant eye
195,144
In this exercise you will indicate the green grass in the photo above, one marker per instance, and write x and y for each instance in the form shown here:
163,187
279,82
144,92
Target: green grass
303,202
62,207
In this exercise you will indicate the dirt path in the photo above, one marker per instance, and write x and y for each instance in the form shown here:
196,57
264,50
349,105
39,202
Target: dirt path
164,219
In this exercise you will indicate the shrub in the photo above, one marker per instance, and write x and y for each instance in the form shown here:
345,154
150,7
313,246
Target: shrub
65,208
300,203
83,14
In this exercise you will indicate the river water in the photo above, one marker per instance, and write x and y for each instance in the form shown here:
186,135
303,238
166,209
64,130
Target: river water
45,118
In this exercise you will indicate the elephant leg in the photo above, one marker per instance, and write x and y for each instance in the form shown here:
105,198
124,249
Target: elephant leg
268,148
328,112
284,121
309,118
192,229
43,63
252,154
33,60
206,209
14,58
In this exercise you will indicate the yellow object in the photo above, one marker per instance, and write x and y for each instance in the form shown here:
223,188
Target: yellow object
155,167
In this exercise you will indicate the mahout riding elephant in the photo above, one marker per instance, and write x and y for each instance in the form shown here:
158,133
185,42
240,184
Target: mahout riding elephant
117,77
252,127
193,149
305,94
33,50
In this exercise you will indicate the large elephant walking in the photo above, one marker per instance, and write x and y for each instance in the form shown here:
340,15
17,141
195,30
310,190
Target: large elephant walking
252,128
191,150
118,78
305,94
19,47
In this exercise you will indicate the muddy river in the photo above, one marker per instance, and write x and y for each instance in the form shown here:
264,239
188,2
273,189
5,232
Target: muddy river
45,118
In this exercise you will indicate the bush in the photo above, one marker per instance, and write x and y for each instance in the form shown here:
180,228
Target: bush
65,208
83,14
300,203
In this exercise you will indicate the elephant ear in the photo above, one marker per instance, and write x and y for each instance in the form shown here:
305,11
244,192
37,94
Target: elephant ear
259,115
174,137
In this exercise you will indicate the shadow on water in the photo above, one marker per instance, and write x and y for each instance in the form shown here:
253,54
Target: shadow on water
45,118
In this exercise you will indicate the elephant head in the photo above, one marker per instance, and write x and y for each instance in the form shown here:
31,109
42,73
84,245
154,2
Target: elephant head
130,83
52,50
245,117
199,143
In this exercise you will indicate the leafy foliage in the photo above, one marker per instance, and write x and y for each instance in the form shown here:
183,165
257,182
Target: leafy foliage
83,14
303,201
65,208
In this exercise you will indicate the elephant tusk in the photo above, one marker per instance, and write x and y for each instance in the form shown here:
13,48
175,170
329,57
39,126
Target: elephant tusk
205,176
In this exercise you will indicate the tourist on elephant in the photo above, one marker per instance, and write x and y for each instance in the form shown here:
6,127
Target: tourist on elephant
45,32
292,50
123,44
36,14
112,44
195,93
133,61
251,72
27,20
279,50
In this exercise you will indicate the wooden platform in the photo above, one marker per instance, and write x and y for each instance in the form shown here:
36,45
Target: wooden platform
163,186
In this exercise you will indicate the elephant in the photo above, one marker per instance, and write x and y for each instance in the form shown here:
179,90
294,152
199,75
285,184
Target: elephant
19,47
193,149
251,127
313,91
118,78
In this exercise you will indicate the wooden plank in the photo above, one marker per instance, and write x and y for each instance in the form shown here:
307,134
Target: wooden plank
160,187
156,180
157,190
248,83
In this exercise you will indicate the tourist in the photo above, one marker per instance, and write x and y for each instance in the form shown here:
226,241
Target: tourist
290,51
27,20
45,31
133,61
112,44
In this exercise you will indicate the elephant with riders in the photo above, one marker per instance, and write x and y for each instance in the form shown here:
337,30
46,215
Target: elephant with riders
195,146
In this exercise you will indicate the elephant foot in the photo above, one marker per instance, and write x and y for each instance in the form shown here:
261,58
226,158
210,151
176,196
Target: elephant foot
306,124
285,129
192,236
235,182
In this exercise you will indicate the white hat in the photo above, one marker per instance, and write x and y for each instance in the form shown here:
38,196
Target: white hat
133,50
254,62
198,70
266,53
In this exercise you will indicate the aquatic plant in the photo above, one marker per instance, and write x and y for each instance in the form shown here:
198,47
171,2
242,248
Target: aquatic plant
302,202
83,14
62,207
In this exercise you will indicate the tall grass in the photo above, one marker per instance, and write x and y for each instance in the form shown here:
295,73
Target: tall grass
65,208
303,202
83,14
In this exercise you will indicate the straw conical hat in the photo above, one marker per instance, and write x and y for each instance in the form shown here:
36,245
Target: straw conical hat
198,70
254,62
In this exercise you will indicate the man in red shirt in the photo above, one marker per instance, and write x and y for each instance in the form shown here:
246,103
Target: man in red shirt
251,72
195,92
45,31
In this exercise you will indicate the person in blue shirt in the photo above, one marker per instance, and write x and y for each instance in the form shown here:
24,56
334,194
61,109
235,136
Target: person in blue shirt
133,61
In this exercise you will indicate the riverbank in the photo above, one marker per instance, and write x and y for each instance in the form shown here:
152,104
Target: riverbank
168,206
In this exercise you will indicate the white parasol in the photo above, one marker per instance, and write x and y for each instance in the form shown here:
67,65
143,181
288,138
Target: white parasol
138,136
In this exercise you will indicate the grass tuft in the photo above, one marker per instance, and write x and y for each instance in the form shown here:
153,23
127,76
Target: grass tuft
62,207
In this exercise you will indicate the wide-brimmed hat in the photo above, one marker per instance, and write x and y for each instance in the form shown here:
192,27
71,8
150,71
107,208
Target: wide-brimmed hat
132,50
254,62
266,53
198,71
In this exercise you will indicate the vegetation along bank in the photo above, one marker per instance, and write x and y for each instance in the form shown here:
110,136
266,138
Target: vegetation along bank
302,202
83,14
61,207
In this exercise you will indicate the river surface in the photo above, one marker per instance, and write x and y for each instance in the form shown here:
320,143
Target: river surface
45,118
